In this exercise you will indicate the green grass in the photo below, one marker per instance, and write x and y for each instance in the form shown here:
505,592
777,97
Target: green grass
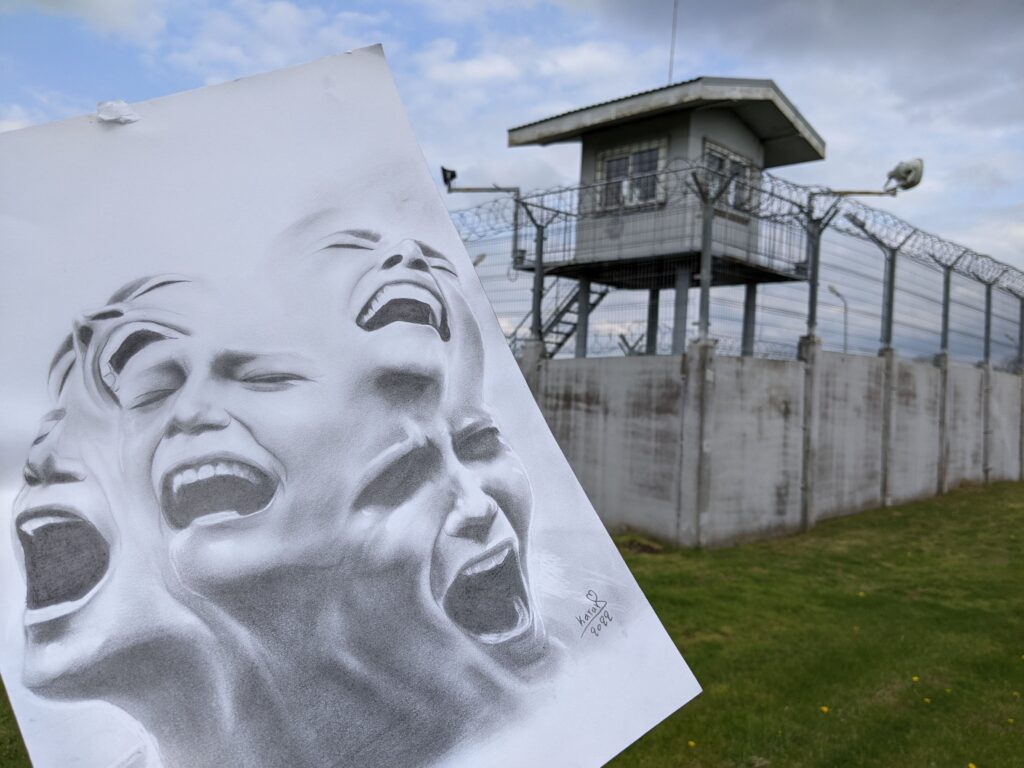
844,617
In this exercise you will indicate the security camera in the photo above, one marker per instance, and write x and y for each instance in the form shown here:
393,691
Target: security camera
905,175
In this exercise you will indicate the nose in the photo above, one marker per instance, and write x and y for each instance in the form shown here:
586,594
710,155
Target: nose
46,465
472,515
407,254
196,411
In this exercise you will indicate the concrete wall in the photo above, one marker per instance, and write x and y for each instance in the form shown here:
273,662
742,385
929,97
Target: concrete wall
917,439
966,425
619,421
1004,445
706,450
755,433
848,460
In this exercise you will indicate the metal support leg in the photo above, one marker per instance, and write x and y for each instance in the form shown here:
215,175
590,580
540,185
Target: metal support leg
652,322
681,307
749,319
583,318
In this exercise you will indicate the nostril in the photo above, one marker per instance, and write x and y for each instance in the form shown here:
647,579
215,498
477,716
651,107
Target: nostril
392,261
31,476
419,265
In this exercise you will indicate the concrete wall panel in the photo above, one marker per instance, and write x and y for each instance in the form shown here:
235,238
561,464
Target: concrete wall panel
966,424
848,468
755,437
1004,458
916,436
618,422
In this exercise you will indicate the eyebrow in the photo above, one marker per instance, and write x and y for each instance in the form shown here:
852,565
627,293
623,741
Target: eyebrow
362,234
229,361
431,252
131,346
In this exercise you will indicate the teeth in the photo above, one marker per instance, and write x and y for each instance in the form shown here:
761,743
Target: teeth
205,471
402,291
493,561
33,525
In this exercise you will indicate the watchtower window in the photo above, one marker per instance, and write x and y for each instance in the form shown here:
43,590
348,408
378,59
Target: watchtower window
745,175
629,175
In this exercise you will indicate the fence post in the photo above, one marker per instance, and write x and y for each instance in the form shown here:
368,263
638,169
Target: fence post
582,316
536,325
749,319
679,315
653,303
809,350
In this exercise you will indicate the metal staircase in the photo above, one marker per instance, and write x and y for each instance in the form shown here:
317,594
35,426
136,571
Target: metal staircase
560,315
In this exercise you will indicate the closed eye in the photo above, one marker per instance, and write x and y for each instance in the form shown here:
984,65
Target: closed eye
151,398
272,381
478,444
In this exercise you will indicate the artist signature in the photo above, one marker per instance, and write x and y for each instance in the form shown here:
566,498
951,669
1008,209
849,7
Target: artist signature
596,617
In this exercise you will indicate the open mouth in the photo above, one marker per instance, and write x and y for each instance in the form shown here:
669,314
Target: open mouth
65,556
404,302
488,598
214,490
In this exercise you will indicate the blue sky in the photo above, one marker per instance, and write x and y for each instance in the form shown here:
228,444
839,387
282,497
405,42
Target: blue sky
880,81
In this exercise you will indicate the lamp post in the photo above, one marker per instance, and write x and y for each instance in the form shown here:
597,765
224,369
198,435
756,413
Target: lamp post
846,316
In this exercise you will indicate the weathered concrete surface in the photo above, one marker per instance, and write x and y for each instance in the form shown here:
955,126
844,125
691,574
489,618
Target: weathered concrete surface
848,465
1004,453
755,433
917,393
618,420
634,429
966,424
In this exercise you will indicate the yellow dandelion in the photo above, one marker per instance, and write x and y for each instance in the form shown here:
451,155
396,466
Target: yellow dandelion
916,679
971,765
949,690
824,710
1009,720
1016,694
860,594
691,743
927,700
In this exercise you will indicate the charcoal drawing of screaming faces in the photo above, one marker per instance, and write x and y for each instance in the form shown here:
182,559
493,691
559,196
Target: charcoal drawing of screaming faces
273,519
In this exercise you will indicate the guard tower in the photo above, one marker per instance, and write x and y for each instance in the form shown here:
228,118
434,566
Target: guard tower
655,167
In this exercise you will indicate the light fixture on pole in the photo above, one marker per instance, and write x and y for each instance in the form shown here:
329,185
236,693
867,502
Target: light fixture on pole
846,315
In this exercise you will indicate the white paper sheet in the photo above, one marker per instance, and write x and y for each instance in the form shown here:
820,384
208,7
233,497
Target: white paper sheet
283,498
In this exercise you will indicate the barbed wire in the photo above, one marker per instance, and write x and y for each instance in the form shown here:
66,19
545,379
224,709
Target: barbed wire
757,194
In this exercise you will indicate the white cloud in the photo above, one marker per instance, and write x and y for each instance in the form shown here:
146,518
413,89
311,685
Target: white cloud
249,36
139,20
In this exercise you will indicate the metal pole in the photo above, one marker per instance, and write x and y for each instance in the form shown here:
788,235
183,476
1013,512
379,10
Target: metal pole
947,282
814,230
582,317
679,317
1020,346
652,322
846,327
988,324
889,300
515,229
536,331
749,319
707,221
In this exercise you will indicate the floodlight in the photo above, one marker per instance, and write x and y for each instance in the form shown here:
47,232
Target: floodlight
905,175
448,176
